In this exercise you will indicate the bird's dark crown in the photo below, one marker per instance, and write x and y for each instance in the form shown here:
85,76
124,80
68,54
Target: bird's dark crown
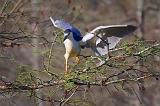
76,36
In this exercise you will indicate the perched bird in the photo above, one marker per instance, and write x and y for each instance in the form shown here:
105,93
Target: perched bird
100,40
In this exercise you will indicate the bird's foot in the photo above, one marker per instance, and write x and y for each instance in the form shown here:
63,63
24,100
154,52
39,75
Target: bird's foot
77,60
66,72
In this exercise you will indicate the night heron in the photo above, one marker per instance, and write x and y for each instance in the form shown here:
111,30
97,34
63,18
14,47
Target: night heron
100,40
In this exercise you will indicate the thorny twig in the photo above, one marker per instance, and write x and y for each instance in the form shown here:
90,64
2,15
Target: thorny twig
17,87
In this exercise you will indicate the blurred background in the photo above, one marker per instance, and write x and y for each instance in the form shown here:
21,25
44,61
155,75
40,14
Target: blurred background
26,33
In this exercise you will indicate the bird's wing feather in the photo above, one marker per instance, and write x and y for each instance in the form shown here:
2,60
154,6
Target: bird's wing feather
103,37
109,31
61,24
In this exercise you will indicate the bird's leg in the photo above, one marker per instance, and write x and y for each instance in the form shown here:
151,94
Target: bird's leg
108,51
66,67
77,59
66,63
108,48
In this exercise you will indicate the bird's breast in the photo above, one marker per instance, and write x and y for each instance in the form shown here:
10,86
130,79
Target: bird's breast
72,47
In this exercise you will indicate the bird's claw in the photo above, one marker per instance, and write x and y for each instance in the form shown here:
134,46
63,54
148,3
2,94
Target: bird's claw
77,60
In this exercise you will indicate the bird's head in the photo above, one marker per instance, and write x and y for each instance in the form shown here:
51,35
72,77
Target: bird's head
67,33
72,33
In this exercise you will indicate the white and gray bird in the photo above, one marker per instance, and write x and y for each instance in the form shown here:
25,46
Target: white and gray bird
100,40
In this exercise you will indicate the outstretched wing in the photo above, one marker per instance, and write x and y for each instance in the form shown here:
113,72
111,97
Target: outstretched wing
66,27
103,38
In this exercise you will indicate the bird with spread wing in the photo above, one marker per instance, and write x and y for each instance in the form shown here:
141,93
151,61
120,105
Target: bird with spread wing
100,40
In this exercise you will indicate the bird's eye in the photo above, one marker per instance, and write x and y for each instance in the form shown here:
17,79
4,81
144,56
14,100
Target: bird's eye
66,34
